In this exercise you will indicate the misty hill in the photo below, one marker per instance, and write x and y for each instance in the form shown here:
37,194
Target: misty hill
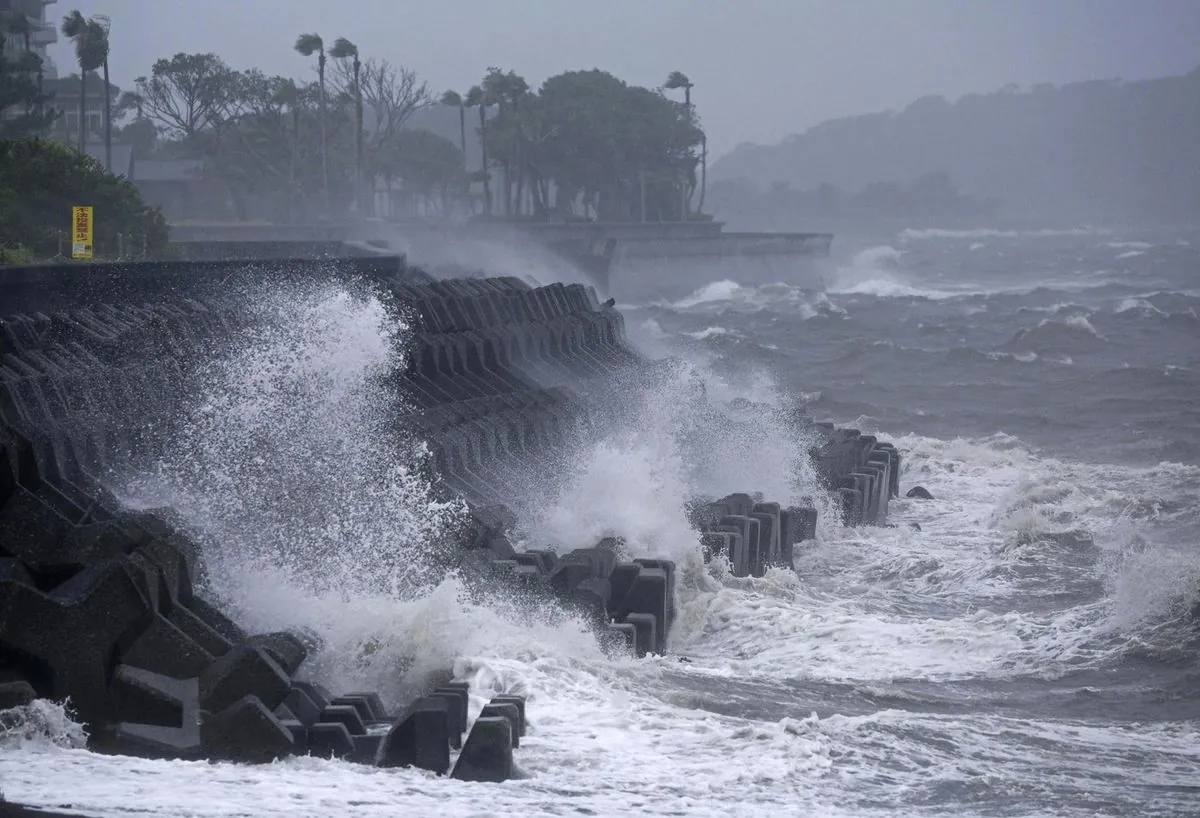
1086,151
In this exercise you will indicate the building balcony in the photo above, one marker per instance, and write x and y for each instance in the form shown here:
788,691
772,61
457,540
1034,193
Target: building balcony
44,36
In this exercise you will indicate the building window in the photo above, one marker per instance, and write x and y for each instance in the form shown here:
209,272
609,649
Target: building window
95,122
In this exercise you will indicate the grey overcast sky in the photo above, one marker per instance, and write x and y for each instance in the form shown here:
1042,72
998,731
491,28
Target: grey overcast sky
763,69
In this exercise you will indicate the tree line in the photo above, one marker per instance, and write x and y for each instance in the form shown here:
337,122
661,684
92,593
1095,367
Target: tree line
584,144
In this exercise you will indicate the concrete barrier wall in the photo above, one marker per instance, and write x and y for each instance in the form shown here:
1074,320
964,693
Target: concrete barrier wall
99,604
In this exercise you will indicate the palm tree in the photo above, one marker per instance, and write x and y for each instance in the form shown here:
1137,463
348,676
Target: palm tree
307,45
455,100
475,98
98,28
344,49
676,80
91,53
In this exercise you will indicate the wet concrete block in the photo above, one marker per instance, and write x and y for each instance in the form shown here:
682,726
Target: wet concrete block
737,504
345,714
163,648
487,755
580,565
315,692
366,748
459,696
621,579
285,648
329,740
15,694
142,697
747,527
646,632
519,703
505,710
216,620
155,715
793,529
421,738
851,504
11,570
619,639
594,595
245,670
369,706
31,530
773,526
73,631
668,569
245,731
545,560
305,710
199,631
649,595
299,734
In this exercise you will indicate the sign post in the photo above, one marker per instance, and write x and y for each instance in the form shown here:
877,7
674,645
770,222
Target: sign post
81,226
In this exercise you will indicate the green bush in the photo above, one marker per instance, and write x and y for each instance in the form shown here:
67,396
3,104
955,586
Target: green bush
41,180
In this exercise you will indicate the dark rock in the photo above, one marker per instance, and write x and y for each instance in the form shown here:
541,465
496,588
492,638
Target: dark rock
919,493
487,755
15,694
915,526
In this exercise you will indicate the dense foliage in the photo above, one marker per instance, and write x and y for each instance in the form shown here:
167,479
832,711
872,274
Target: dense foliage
586,137
585,143
41,180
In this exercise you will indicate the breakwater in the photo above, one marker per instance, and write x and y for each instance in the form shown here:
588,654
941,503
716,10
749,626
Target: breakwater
106,607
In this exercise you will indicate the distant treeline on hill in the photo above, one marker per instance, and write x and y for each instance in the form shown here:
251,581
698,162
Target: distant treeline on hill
928,199
1102,149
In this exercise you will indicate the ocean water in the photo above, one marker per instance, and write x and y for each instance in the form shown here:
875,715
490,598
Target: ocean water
1033,649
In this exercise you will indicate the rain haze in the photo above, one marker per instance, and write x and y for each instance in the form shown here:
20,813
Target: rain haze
763,69
692,408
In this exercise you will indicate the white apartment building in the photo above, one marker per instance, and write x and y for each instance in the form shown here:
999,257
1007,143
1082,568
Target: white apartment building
44,34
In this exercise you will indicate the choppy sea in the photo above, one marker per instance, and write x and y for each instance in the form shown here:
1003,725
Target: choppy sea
1033,649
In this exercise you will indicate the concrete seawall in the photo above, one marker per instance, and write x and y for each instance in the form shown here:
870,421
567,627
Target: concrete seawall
105,606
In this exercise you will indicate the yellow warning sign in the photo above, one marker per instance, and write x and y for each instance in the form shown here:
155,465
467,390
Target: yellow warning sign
81,228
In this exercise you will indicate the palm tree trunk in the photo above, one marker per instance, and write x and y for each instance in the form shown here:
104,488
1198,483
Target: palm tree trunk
324,140
487,187
703,171
107,121
82,108
462,130
361,204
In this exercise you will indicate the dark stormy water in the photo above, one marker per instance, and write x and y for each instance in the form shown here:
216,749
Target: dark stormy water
1032,649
